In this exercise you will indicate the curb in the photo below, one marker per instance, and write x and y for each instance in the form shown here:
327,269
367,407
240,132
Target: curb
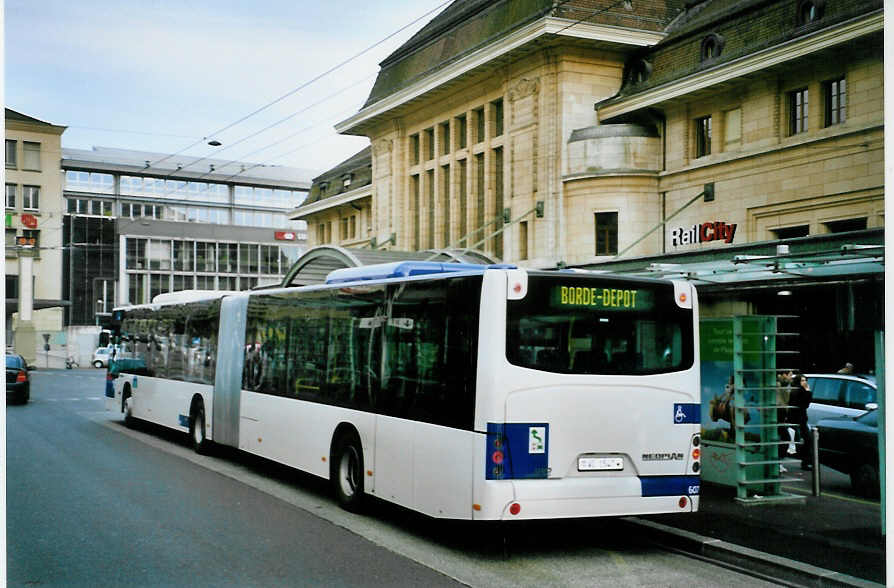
766,565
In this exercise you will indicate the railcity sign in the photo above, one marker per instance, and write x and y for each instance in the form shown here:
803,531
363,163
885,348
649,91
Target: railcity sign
703,233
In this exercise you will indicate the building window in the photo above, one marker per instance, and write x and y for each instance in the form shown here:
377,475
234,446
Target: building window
846,225
497,114
31,197
344,229
414,149
712,46
791,232
809,11
703,136
416,214
797,111
429,144
228,258
461,131
159,254
835,97
11,196
183,256
346,180
248,259
352,227
136,258
479,124
606,233
206,254
30,156
136,288
10,242
430,185
321,233
11,155
523,240
640,71
445,137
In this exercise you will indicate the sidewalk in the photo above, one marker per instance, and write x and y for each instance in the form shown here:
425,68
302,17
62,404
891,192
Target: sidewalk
835,532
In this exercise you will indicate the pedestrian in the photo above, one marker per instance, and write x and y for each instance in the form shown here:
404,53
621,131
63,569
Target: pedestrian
847,369
800,398
783,393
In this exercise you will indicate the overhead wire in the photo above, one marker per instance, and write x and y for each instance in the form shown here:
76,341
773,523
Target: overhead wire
303,85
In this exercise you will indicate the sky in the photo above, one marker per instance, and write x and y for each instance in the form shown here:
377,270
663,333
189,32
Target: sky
162,75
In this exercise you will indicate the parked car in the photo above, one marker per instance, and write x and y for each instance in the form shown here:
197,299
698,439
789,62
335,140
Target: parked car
850,445
18,379
101,356
837,395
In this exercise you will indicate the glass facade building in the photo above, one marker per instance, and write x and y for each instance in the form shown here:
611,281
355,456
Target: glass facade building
131,232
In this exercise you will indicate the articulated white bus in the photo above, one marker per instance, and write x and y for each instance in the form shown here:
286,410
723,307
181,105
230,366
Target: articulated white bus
459,391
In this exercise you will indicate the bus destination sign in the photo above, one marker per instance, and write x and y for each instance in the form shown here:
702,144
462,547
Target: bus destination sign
603,298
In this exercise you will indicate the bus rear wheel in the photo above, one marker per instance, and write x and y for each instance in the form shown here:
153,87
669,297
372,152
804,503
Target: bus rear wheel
347,473
200,443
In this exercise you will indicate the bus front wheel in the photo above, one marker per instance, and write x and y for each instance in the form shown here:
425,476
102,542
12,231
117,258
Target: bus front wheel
347,473
200,443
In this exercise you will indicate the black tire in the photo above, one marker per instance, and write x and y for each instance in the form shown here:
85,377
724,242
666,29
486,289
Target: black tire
864,480
126,407
97,364
199,442
347,473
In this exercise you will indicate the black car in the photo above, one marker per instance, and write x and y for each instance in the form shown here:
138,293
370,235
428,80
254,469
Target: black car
850,445
18,379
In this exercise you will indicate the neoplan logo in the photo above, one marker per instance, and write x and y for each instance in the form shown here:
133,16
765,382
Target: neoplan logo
662,456
703,233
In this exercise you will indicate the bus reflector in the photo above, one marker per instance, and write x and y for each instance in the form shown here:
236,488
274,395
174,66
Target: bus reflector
476,507
515,508
682,297
683,501
497,457
696,453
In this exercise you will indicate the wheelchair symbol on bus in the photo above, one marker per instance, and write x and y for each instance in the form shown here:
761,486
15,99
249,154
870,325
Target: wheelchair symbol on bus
679,416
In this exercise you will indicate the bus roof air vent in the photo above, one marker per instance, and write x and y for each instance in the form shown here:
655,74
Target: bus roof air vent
405,269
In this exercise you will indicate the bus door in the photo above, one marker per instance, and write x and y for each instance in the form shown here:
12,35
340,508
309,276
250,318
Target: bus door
228,376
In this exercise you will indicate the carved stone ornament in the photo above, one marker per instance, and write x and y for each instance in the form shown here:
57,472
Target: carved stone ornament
524,88
382,147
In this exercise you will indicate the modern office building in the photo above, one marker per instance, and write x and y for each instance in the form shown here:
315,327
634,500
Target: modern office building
140,224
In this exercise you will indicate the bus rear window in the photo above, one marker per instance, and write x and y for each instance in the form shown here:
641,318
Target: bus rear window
581,325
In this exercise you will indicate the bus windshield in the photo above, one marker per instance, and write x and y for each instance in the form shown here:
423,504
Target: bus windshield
583,325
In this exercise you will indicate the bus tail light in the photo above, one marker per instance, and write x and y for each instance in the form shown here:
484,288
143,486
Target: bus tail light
696,453
683,502
515,508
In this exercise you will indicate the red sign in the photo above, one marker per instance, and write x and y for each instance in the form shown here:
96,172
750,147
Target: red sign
284,236
29,220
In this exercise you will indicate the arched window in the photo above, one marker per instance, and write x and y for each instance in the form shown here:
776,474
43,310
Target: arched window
712,46
810,11
640,70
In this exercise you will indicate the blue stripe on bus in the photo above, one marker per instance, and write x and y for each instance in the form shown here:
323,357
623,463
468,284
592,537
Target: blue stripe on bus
670,485
524,448
687,413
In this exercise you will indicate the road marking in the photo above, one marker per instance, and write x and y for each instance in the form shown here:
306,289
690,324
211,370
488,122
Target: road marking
832,495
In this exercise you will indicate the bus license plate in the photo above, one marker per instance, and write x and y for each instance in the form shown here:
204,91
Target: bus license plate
593,464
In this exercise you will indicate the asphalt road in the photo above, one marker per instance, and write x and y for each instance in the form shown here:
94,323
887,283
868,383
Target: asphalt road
90,502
